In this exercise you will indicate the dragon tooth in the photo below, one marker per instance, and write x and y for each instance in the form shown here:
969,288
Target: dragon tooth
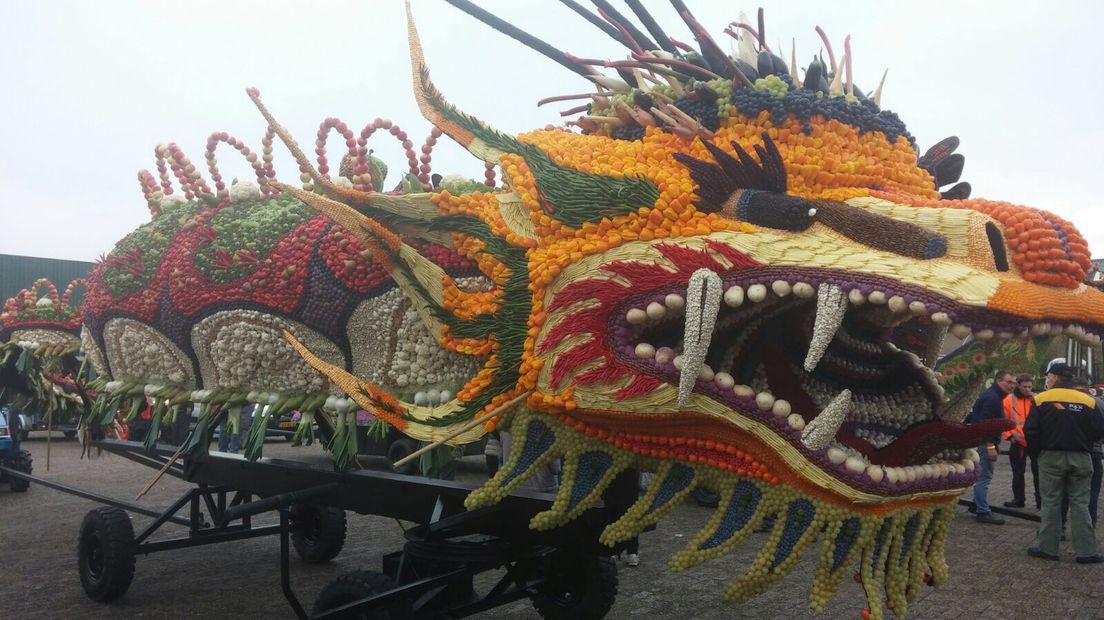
675,301
734,296
703,301
645,350
656,311
822,429
664,355
831,308
856,297
765,400
724,380
781,288
705,373
897,304
804,290
875,472
743,391
941,318
960,331
937,333
636,316
756,293
781,408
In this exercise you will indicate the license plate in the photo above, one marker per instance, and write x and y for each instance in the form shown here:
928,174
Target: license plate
288,424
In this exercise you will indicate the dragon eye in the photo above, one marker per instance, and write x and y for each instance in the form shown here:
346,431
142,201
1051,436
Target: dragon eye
748,190
996,242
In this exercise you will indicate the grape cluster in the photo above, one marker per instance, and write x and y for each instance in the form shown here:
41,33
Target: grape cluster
805,104
701,108
628,132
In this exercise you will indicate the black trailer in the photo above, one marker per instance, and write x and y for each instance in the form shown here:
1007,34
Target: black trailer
565,572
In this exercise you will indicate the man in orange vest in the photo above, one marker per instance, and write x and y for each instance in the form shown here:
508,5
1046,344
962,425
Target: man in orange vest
1018,405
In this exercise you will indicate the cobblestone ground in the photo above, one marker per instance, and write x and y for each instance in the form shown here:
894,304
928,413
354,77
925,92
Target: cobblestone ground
991,576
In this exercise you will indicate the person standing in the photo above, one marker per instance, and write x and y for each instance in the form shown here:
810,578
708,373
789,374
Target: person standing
989,406
1097,456
1017,407
1061,431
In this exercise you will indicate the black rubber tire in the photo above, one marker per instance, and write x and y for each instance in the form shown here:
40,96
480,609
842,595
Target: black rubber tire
355,586
105,553
578,587
399,449
24,435
69,434
24,463
319,532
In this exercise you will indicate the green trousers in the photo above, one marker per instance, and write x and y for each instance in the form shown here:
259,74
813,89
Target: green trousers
1070,472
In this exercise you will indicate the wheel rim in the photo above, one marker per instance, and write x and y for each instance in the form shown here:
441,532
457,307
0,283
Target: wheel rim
93,558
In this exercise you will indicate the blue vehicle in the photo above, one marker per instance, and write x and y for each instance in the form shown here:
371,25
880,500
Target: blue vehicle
10,454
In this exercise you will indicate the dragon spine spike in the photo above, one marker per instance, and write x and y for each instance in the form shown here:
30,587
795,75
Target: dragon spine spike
877,97
703,301
831,308
836,87
301,158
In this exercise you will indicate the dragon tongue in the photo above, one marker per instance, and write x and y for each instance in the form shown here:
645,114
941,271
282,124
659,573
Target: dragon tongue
831,308
924,440
703,300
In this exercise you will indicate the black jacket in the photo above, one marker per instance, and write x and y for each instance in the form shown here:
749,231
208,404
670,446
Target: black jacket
989,406
1064,419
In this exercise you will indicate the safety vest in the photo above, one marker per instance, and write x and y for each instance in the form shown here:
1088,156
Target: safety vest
1016,409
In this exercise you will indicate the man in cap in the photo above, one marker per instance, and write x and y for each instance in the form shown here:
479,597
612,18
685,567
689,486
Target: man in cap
1061,432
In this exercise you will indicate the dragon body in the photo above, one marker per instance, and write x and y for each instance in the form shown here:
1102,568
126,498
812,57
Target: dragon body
730,277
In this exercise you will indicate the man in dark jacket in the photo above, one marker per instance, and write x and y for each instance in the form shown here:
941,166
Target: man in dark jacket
989,406
1061,431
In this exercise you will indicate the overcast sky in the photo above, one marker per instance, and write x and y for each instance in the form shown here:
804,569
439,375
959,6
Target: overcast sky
91,87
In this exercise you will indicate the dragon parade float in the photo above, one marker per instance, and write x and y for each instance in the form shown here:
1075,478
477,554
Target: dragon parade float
720,272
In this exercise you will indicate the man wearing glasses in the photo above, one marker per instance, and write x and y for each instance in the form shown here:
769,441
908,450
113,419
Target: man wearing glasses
989,406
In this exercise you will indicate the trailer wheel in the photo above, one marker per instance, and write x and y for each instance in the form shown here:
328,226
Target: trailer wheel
577,587
105,553
319,532
353,587
23,463
400,449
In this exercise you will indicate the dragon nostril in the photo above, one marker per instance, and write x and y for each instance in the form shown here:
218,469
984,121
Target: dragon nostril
935,247
996,243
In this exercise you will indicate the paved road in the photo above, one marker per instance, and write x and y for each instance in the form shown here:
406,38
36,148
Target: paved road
991,576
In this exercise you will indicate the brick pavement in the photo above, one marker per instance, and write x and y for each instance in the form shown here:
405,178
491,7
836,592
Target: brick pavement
991,576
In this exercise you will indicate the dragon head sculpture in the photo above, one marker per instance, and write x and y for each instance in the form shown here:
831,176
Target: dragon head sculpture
736,280
730,277
40,336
